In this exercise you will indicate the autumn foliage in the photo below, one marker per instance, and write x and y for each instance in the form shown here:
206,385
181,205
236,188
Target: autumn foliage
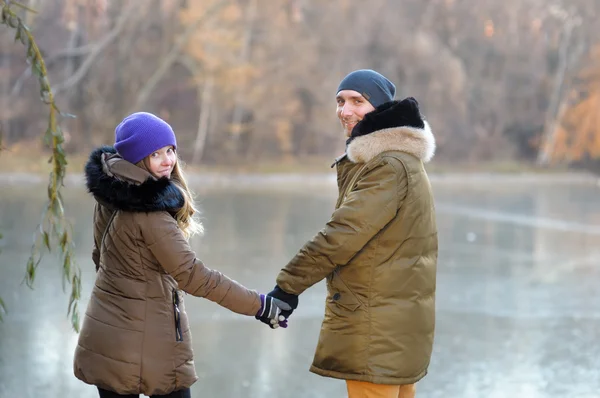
578,131
247,80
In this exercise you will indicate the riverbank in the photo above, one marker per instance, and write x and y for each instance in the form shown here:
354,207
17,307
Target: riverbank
281,180
23,167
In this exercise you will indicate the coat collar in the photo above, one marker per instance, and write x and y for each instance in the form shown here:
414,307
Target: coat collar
121,185
393,126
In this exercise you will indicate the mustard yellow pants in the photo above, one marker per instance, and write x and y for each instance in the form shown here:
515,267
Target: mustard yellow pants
362,389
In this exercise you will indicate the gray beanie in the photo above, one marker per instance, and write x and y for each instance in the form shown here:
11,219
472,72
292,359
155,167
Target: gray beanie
375,87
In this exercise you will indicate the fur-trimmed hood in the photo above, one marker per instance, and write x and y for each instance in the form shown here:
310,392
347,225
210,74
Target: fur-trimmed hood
121,185
393,126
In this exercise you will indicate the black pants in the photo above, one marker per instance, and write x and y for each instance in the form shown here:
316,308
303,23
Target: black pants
185,393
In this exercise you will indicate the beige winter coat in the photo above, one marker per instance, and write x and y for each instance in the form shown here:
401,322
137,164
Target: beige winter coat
135,337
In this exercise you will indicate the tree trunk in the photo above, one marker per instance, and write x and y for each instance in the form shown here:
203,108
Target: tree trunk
553,111
173,56
205,102
238,110
123,21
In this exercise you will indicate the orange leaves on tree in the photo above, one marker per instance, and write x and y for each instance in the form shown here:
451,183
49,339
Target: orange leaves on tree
578,130
216,38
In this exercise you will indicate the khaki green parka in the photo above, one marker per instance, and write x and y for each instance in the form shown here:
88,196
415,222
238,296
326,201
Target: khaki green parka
378,253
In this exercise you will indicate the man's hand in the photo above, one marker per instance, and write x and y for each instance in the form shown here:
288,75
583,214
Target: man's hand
272,311
288,298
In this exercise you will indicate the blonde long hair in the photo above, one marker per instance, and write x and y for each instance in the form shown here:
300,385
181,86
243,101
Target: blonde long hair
187,216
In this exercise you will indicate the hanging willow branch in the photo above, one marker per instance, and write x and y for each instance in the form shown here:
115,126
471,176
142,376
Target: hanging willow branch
54,228
2,306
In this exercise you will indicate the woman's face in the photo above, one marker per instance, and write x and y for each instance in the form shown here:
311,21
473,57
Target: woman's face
161,163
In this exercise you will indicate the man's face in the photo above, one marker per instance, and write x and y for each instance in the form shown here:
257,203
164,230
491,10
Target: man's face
351,109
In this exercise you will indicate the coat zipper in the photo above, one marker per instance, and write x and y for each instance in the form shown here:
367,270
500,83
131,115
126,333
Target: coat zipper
177,316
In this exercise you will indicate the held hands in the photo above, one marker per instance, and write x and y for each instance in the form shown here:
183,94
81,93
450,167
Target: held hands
285,304
271,310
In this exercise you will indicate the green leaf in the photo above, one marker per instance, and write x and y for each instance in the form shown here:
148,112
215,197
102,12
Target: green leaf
45,96
36,69
72,300
48,140
77,284
57,132
30,273
66,267
62,160
45,84
56,207
24,35
75,318
13,21
46,238
30,52
64,239
2,308
75,290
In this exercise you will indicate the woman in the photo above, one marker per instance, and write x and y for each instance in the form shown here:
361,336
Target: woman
135,337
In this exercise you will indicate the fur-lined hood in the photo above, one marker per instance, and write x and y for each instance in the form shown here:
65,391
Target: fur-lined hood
393,126
121,185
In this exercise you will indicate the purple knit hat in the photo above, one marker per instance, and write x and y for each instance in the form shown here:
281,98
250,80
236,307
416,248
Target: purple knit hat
141,134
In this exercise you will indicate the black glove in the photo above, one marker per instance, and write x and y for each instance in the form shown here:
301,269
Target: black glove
290,299
271,311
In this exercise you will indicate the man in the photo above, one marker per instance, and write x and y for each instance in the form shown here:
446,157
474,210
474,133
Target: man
378,251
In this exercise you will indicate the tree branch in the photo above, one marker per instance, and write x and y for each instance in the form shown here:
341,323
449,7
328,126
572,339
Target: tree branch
64,53
96,51
54,226
172,56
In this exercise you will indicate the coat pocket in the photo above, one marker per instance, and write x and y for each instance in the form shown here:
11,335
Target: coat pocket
345,301
341,295
177,316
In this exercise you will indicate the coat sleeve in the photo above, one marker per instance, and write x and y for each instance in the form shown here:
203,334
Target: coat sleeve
101,217
96,256
368,208
172,251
